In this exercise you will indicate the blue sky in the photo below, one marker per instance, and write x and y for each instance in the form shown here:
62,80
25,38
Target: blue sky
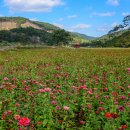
91,17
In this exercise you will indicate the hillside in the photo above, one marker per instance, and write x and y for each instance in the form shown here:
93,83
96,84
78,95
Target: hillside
110,36
117,39
8,23
122,40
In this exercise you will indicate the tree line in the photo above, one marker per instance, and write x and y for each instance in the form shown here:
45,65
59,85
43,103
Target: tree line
34,36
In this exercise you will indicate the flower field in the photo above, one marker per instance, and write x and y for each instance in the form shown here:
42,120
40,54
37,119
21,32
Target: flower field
65,89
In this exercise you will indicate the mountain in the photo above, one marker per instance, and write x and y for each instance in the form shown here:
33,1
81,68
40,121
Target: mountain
9,23
84,36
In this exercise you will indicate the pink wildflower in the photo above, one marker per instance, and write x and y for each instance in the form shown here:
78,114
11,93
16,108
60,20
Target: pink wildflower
66,108
47,89
58,108
83,87
5,78
41,90
16,117
128,70
120,108
90,91
53,102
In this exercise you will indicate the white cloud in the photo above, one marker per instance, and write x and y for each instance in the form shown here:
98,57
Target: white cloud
33,19
103,29
113,2
72,16
81,26
32,6
58,25
114,24
107,27
104,14
125,14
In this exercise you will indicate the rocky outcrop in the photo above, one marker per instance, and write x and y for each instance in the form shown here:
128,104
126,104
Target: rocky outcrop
8,25
29,24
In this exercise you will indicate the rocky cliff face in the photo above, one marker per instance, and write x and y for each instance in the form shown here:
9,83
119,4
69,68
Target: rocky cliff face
29,24
8,25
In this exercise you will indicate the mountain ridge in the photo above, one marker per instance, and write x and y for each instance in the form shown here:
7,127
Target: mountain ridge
8,23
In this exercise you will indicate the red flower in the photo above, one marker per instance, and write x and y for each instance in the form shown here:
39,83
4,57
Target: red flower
114,115
0,67
24,121
124,127
108,115
59,121
114,94
82,122
120,108
40,123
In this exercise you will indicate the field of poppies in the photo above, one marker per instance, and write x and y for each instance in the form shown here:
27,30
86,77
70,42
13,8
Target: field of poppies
65,89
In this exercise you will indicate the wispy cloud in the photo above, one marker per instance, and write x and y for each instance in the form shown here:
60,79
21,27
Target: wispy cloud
72,16
125,14
81,26
73,28
113,2
103,29
65,18
104,14
33,5
33,19
106,27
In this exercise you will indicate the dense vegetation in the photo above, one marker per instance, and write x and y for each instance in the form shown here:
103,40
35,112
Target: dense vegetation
25,36
61,37
33,36
65,89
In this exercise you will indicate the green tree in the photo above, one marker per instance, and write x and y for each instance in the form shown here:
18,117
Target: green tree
61,37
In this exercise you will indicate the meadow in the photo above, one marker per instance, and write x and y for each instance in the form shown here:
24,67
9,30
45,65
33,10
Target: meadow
65,89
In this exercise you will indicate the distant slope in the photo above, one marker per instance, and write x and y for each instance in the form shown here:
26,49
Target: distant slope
85,36
78,38
46,26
